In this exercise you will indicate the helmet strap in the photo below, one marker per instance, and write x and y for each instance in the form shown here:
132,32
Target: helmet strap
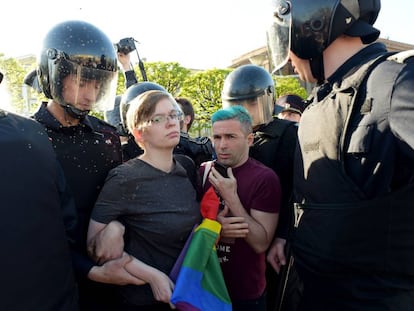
74,112
317,68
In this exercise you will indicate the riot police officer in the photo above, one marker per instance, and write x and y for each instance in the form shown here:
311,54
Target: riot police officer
77,71
48,272
274,143
35,265
354,170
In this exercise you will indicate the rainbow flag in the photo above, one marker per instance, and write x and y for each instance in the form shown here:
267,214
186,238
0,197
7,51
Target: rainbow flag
200,284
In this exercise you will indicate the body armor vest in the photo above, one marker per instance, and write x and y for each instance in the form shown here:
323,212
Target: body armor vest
338,230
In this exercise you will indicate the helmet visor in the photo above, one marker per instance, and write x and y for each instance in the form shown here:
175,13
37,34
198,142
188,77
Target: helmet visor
80,86
260,108
279,34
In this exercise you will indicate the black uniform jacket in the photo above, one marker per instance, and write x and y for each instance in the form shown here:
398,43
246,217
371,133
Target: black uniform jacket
35,264
86,153
274,146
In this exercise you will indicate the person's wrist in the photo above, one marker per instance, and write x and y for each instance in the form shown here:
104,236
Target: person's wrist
93,274
117,226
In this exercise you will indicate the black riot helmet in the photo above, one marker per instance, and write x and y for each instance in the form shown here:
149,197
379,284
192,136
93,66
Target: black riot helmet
251,86
133,92
309,27
81,50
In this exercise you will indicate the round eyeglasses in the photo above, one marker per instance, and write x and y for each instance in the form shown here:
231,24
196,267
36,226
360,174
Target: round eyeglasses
162,118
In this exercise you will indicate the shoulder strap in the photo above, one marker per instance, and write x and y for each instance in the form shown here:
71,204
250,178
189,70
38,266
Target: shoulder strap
207,168
355,80
189,167
387,72
401,57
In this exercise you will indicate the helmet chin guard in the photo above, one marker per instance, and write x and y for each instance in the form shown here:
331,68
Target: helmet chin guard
74,112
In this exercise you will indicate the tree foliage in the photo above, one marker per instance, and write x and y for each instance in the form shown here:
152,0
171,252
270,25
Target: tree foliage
13,77
202,88
120,88
289,85
170,75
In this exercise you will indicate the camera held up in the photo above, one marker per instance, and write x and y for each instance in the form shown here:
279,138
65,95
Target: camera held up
126,45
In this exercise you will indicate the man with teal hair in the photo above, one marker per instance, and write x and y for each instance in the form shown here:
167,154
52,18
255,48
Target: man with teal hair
250,196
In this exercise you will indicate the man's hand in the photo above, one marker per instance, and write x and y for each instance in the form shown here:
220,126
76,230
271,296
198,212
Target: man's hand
113,272
225,186
125,61
276,255
232,226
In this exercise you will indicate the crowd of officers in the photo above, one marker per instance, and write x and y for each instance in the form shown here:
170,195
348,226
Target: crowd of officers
55,164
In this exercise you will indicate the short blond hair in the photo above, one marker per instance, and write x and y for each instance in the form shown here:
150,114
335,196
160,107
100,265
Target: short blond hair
143,106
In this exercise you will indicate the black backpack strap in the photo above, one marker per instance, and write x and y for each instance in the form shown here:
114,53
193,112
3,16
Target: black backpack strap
191,170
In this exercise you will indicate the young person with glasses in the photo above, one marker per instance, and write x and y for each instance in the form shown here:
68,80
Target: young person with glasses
155,200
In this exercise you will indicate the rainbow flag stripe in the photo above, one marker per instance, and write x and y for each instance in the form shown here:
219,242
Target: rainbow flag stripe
200,284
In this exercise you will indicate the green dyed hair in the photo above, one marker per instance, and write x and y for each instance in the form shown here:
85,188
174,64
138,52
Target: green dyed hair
235,112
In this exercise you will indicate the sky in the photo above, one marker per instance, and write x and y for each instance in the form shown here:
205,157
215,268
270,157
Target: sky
196,34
